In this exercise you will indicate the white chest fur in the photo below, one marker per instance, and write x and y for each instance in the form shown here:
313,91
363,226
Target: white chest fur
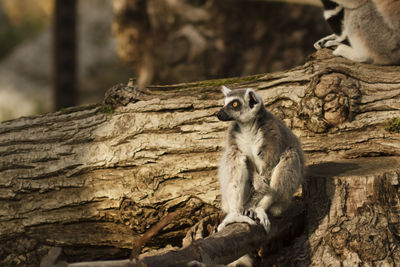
249,142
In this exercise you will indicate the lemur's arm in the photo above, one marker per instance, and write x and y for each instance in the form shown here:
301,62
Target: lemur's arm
235,187
234,182
390,11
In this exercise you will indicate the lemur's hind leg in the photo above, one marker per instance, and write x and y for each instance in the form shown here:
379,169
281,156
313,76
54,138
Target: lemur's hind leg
285,179
349,52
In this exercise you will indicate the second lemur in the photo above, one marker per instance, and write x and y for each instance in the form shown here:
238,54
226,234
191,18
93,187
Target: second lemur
364,30
262,164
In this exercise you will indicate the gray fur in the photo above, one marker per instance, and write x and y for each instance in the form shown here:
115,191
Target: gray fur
372,28
262,164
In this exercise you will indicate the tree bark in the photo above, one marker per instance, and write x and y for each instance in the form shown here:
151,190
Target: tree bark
91,179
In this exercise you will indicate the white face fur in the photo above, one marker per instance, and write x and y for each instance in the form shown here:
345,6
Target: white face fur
248,103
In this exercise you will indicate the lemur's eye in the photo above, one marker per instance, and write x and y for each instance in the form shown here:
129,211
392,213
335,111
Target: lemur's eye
235,104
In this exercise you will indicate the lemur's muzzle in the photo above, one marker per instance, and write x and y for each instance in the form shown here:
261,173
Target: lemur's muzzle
223,116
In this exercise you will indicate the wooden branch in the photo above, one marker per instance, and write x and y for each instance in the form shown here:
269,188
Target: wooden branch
232,242
222,247
93,178
141,242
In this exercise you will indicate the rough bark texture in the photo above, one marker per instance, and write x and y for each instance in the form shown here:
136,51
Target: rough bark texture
90,179
353,216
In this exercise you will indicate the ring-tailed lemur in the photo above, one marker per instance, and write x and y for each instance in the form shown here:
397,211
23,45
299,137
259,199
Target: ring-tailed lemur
263,163
364,30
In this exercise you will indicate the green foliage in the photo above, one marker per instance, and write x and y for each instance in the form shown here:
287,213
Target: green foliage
393,125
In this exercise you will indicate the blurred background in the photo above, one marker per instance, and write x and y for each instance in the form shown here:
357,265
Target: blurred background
60,53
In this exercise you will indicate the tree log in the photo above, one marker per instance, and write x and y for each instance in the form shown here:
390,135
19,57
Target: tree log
93,178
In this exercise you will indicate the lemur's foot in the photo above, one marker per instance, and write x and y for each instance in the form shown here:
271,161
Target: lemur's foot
328,41
351,53
235,218
259,215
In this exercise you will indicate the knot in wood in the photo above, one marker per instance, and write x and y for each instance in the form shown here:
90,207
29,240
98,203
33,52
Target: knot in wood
336,109
338,239
122,95
137,217
335,101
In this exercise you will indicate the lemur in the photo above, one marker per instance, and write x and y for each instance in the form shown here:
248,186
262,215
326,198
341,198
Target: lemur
262,164
364,30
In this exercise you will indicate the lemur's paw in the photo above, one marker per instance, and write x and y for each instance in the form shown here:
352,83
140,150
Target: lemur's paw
258,215
325,44
235,218
263,218
318,45
328,41
251,213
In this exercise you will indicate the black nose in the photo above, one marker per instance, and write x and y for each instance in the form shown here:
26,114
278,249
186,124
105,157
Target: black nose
219,115
222,116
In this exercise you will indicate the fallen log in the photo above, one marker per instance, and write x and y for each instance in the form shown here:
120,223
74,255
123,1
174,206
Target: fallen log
91,179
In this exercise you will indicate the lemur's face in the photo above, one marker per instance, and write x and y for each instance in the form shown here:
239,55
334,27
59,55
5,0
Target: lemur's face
241,105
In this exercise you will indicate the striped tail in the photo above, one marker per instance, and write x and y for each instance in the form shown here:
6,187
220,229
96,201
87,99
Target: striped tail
334,15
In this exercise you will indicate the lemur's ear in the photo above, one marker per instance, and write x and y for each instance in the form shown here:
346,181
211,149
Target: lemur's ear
225,90
252,98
